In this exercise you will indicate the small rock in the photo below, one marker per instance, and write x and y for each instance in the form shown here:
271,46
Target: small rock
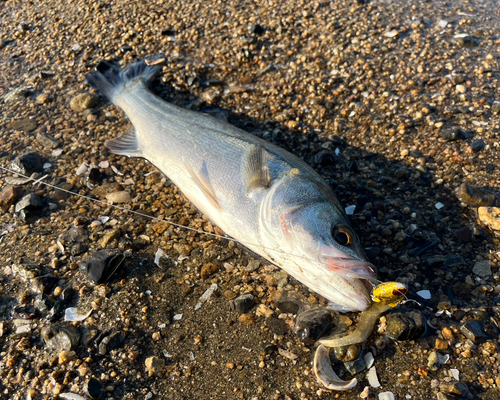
95,389
66,356
405,325
109,236
9,196
101,265
24,124
281,278
82,102
453,260
17,94
263,310
464,40
477,145
441,344
47,141
29,202
60,337
464,234
243,303
482,268
474,330
447,333
119,197
475,196
348,353
490,216
75,234
252,266
288,305
356,366
312,324
452,134
456,388
28,163
207,270
247,319
257,29
433,361
461,88
229,294
277,326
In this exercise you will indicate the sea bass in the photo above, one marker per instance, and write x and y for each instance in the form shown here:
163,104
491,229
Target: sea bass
256,192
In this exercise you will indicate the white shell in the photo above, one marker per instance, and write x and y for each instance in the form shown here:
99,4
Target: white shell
456,373
204,297
373,378
81,169
391,34
349,210
71,314
326,375
386,396
425,294
71,396
158,255
369,360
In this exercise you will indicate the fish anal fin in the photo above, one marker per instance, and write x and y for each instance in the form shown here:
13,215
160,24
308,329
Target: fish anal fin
256,169
125,145
202,181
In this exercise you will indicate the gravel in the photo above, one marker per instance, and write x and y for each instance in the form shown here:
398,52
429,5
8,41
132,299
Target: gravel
395,109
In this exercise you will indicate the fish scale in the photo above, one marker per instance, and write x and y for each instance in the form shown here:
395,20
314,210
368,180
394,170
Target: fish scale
256,192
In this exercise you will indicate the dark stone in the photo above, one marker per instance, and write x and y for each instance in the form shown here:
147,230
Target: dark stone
477,145
459,79
356,366
43,303
453,260
347,353
75,234
277,326
24,312
257,29
214,82
43,284
352,166
289,306
474,330
435,260
28,163
67,295
111,342
466,41
405,325
325,158
452,134
243,303
475,196
101,265
312,324
56,312
23,124
78,248
94,175
95,389
29,202
60,337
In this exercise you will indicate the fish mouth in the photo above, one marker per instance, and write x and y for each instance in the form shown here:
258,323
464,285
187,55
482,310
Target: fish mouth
356,278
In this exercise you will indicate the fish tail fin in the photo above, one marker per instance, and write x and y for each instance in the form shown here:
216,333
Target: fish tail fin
109,80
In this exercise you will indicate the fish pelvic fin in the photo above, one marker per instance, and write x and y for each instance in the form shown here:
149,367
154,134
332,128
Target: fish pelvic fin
256,169
202,181
109,80
125,145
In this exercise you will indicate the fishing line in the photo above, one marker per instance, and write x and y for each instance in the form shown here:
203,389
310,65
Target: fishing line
40,181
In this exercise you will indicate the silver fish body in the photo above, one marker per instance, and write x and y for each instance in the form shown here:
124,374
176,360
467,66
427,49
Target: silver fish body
256,192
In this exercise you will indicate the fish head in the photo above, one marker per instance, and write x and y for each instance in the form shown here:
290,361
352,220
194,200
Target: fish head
327,254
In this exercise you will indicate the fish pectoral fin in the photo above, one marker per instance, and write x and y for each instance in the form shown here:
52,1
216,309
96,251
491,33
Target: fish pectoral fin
256,170
125,145
201,180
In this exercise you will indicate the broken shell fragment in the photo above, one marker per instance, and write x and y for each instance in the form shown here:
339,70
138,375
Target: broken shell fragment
99,266
326,375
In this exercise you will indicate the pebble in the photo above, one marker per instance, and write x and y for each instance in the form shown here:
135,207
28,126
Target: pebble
465,40
482,268
24,124
477,145
288,305
356,366
208,269
405,325
247,319
433,361
312,324
475,196
452,134
490,216
119,197
17,94
474,330
263,311
60,337
455,388
82,102
277,325
28,202
28,163
66,356
243,303
9,196
101,265
47,141
252,266
109,237
348,353
154,365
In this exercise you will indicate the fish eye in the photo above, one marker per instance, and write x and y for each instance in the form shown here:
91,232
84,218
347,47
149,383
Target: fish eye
399,292
342,235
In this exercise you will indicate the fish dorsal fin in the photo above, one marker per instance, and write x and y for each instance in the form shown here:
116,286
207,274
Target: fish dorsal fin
125,145
256,170
202,181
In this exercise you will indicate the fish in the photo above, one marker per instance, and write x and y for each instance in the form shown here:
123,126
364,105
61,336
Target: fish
259,194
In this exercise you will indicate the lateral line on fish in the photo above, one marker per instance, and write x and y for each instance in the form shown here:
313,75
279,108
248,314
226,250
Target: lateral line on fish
39,181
